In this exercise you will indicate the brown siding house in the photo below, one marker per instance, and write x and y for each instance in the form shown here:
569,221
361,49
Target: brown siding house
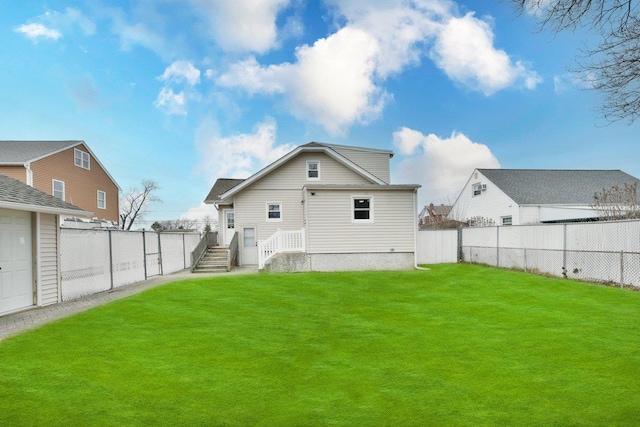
67,170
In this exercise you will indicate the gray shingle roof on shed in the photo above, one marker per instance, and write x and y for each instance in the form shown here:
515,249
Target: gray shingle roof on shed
23,151
546,186
221,186
14,191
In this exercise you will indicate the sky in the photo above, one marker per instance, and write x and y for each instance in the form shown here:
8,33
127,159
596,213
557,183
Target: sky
185,92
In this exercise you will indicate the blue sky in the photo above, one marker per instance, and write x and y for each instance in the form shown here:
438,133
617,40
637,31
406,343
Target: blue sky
184,92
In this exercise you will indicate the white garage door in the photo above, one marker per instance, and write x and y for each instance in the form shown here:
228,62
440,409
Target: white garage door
16,289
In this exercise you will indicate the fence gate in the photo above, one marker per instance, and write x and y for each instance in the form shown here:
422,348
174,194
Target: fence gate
152,255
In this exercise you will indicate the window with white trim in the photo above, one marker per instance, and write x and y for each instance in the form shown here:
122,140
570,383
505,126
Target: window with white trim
506,220
57,189
274,211
313,170
362,208
249,236
102,200
476,189
81,159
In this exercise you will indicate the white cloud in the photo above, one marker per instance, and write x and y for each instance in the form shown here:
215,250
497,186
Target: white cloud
338,81
70,18
239,155
464,51
198,213
171,103
441,165
242,25
331,84
37,31
181,71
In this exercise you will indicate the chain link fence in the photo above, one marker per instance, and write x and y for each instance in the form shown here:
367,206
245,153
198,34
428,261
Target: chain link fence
93,261
596,252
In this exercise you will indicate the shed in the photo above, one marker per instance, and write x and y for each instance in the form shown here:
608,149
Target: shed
29,245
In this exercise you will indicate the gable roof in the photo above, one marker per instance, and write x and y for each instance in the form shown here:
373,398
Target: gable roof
22,152
19,152
348,147
222,185
547,186
17,195
311,147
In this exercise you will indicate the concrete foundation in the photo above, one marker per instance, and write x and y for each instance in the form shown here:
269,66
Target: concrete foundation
288,263
362,262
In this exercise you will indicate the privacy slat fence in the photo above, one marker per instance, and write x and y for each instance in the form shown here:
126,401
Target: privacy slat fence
94,261
607,252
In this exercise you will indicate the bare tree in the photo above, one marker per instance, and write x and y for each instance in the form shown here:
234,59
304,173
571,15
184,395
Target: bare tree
134,204
618,202
613,65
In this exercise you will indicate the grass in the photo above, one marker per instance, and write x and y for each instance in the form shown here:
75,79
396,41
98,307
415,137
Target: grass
456,345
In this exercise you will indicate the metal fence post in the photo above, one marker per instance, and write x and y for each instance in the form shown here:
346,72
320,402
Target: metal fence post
160,254
460,244
564,250
110,259
144,255
622,269
497,246
184,253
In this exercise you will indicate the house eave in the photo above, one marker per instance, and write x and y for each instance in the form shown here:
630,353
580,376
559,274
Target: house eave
362,187
45,209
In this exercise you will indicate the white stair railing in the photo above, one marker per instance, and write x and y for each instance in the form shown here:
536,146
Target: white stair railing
279,242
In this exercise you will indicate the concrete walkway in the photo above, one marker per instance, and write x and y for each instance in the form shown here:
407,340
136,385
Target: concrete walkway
15,323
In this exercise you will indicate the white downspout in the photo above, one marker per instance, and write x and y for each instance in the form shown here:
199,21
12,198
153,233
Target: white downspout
27,166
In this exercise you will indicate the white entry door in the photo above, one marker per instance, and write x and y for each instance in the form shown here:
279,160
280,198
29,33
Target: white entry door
249,254
16,285
229,226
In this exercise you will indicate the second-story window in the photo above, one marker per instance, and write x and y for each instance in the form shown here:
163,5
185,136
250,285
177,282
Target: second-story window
313,170
58,189
476,189
81,159
102,200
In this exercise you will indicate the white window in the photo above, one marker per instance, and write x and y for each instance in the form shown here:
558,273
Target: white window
81,159
362,209
274,211
476,189
506,220
58,189
102,200
249,236
313,170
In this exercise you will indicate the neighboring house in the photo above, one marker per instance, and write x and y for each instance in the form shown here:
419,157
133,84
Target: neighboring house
68,170
336,198
527,196
29,245
431,215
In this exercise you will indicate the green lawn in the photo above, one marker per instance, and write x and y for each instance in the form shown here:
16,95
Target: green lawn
456,345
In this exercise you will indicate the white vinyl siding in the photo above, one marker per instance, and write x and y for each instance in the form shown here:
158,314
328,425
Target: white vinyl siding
250,205
48,259
292,175
331,230
493,203
374,163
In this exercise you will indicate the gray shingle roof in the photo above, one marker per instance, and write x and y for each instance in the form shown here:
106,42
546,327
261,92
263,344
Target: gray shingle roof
221,186
14,191
22,151
545,186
